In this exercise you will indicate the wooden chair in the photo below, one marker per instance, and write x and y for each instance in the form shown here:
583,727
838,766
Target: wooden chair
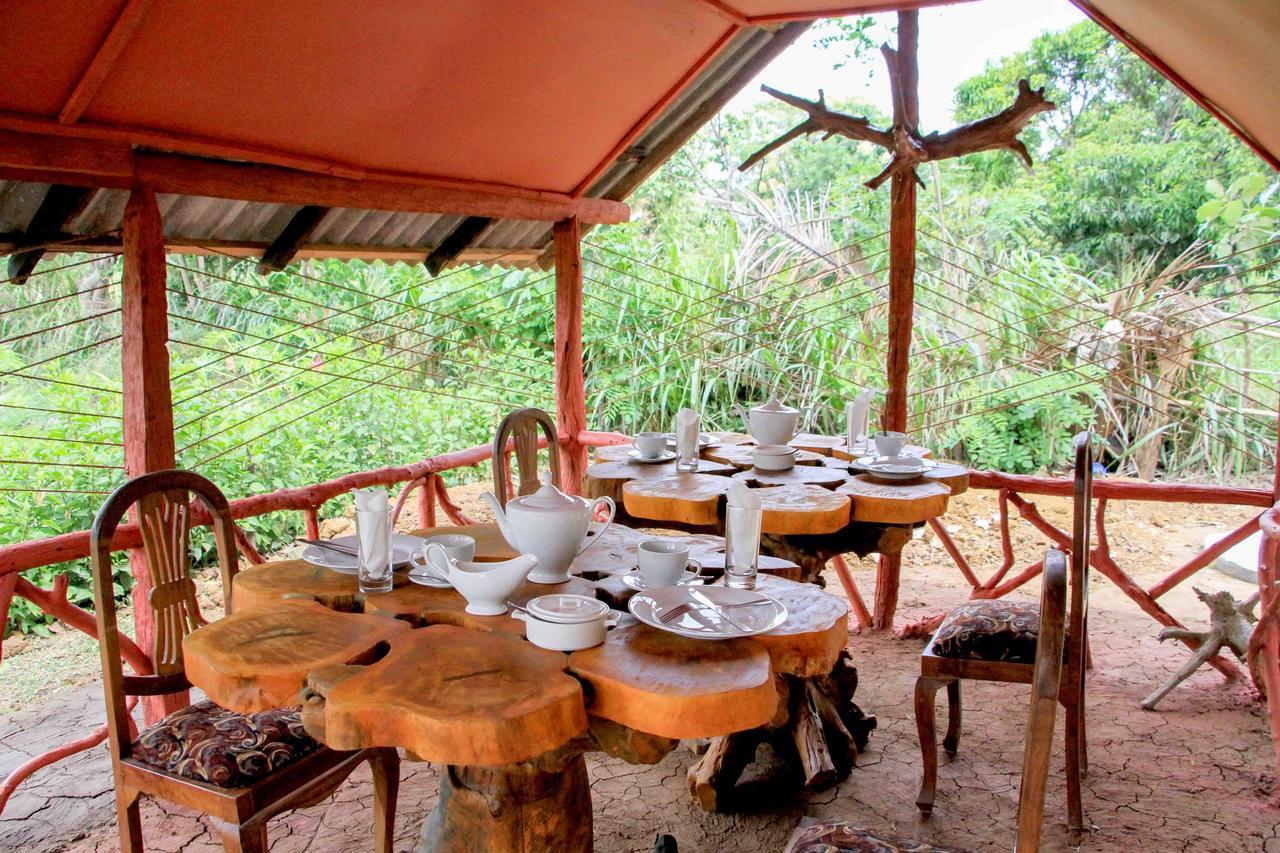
991,640
834,836
521,428
239,769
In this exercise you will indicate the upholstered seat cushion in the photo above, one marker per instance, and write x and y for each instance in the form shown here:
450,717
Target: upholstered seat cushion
211,744
838,836
990,630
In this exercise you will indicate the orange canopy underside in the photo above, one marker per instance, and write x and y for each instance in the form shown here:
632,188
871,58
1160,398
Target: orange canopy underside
539,94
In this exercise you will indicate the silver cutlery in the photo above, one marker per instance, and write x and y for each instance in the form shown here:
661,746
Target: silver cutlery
669,616
702,598
345,550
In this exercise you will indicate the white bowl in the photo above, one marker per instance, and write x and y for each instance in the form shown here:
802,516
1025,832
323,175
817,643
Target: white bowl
566,623
774,457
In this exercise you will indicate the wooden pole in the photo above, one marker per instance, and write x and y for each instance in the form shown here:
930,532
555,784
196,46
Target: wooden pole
571,398
148,406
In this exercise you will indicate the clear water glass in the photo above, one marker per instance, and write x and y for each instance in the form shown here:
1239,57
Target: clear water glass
374,552
741,547
687,457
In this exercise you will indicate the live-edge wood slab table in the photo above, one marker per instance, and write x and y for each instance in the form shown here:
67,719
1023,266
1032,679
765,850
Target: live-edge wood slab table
510,722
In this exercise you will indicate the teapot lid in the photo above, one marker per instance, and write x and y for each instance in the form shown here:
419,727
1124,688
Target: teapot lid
547,499
774,405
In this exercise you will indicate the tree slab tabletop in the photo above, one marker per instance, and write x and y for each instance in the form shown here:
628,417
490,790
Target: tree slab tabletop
952,475
675,687
256,660
685,498
802,510
895,503
452,696
424,605
265,585
800,475
809,643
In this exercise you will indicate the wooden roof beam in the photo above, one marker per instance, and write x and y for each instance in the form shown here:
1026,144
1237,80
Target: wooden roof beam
95,73
455,243
296,232
101,163
61,205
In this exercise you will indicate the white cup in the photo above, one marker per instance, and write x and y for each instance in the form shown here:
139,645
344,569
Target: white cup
650,445
890,443
663,562
458,546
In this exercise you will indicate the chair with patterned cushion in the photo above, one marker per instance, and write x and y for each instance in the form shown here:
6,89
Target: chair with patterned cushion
520,430
839,836
239,769
996,640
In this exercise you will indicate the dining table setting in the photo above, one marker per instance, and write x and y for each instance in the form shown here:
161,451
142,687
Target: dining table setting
505,652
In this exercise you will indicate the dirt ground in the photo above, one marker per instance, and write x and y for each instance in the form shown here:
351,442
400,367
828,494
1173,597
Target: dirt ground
1191,776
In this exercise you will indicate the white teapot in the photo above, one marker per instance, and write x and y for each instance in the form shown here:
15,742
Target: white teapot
550,525
771,423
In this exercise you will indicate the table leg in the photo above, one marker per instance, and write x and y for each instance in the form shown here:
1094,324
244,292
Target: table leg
543,804
888,574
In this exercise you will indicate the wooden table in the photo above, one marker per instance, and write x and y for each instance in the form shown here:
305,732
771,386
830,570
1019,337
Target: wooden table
813,512
510,721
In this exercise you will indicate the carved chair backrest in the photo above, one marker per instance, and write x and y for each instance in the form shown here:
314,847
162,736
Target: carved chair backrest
1081,520
520,428
162,508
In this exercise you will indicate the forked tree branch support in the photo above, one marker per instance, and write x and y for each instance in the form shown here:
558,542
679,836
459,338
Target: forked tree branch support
909,149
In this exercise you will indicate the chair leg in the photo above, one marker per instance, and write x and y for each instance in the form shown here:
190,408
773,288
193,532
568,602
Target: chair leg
1074,737
385,764
129,820
242,837
926,692
951,742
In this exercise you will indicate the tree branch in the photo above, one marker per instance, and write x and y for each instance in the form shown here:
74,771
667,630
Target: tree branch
821,120
993,132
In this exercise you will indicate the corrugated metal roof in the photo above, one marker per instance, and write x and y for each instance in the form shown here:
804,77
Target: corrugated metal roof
197,224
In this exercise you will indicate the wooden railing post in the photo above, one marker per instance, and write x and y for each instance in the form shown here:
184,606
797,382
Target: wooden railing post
571,397
148,406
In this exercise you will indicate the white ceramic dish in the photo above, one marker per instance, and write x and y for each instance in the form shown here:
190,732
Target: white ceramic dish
665,456
552,526
485,586
403,547
633,579
701,621
774,457
566,623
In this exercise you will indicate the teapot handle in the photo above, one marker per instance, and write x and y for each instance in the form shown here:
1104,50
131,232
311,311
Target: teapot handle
591,537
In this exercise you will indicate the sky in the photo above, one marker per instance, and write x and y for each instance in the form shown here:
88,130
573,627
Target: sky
956,42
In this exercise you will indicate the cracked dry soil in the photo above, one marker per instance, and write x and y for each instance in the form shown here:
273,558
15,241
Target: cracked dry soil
1191,776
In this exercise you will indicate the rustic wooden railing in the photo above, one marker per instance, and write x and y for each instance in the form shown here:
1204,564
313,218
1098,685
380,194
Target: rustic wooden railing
424,477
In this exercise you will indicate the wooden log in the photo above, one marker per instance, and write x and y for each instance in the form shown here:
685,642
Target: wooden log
817,627
692,499
802,510
452,696
1127,490
800,475
818,770
259,659
888,578
630,745
712,777
571,402
895,503
675,687
147,401
902,285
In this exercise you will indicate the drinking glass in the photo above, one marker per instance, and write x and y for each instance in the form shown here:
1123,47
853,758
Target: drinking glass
373,537
741,546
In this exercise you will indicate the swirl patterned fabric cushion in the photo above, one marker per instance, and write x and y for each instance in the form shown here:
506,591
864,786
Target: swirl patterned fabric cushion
838,836
990,630
211,744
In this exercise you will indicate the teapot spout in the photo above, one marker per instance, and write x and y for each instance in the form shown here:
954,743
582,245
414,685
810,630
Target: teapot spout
742,413
500,516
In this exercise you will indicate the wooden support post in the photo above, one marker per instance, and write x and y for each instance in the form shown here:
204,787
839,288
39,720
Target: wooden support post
571,398
148,406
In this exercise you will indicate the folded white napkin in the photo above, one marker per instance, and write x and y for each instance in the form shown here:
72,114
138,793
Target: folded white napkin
688,424
373,529
857,414
742,523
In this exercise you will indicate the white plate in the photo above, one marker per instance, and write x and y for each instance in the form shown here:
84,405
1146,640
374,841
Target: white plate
667,456
704,440
402,547
895,467
701,622
633,579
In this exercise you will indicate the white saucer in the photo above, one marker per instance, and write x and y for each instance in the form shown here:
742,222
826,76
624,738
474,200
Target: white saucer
895,467
666,456
421,578
633,580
